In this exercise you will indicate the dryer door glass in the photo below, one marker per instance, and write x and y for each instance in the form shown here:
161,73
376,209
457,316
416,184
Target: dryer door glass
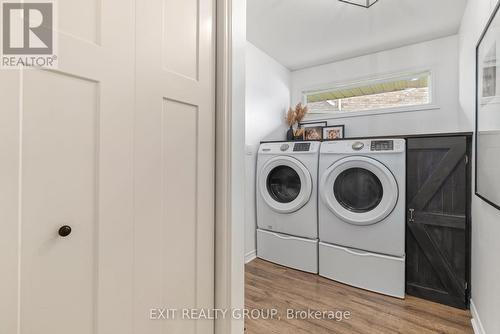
358,190
283,184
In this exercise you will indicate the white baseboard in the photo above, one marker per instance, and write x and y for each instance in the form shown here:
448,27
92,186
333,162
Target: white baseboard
250,256
477,326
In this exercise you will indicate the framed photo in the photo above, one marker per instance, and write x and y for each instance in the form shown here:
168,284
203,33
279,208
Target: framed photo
333,132
488,112
313,130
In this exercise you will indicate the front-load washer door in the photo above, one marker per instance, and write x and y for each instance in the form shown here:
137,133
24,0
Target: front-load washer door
359,190
285,184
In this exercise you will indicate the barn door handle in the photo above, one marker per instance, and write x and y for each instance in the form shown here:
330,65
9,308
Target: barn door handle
412,215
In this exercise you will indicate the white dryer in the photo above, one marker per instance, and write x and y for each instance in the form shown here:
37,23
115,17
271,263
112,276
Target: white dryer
286,203
362,214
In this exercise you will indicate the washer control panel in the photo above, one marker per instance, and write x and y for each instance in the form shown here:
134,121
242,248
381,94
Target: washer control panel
286,148
382,145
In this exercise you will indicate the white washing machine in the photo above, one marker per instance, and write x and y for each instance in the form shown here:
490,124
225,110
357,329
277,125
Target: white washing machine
362,214
286,202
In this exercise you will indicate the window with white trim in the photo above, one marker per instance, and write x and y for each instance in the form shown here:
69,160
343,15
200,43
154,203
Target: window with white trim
403,91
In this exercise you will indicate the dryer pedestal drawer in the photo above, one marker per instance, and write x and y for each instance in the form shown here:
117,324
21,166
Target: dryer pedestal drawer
375,272
288,251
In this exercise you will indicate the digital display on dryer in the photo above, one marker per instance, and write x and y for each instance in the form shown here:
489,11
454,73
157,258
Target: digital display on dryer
382,145
301,147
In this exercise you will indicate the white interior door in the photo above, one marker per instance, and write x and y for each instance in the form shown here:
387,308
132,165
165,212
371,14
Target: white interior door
66,158
175,161
117,143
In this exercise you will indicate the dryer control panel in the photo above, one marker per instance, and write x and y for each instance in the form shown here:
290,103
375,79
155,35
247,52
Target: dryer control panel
382,145
364,146
301,147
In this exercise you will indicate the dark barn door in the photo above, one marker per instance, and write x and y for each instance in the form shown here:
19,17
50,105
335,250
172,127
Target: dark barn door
438,228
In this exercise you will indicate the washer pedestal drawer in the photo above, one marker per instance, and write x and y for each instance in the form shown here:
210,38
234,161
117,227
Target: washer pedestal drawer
289,251
375,272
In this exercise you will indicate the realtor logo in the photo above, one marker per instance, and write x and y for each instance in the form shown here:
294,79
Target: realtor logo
28,34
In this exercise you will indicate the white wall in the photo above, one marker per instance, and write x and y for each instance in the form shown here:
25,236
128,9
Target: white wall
485,219
440,56
267,100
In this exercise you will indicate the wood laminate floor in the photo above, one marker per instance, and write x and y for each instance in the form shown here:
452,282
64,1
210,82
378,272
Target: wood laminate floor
269,286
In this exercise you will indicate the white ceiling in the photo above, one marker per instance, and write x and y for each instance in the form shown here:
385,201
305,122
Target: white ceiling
303,33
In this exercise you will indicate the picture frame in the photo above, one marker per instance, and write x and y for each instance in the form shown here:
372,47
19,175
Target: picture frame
487,127
333,132
313,131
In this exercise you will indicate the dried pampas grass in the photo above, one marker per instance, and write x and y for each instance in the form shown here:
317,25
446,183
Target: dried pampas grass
300,112
296,115
291,117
